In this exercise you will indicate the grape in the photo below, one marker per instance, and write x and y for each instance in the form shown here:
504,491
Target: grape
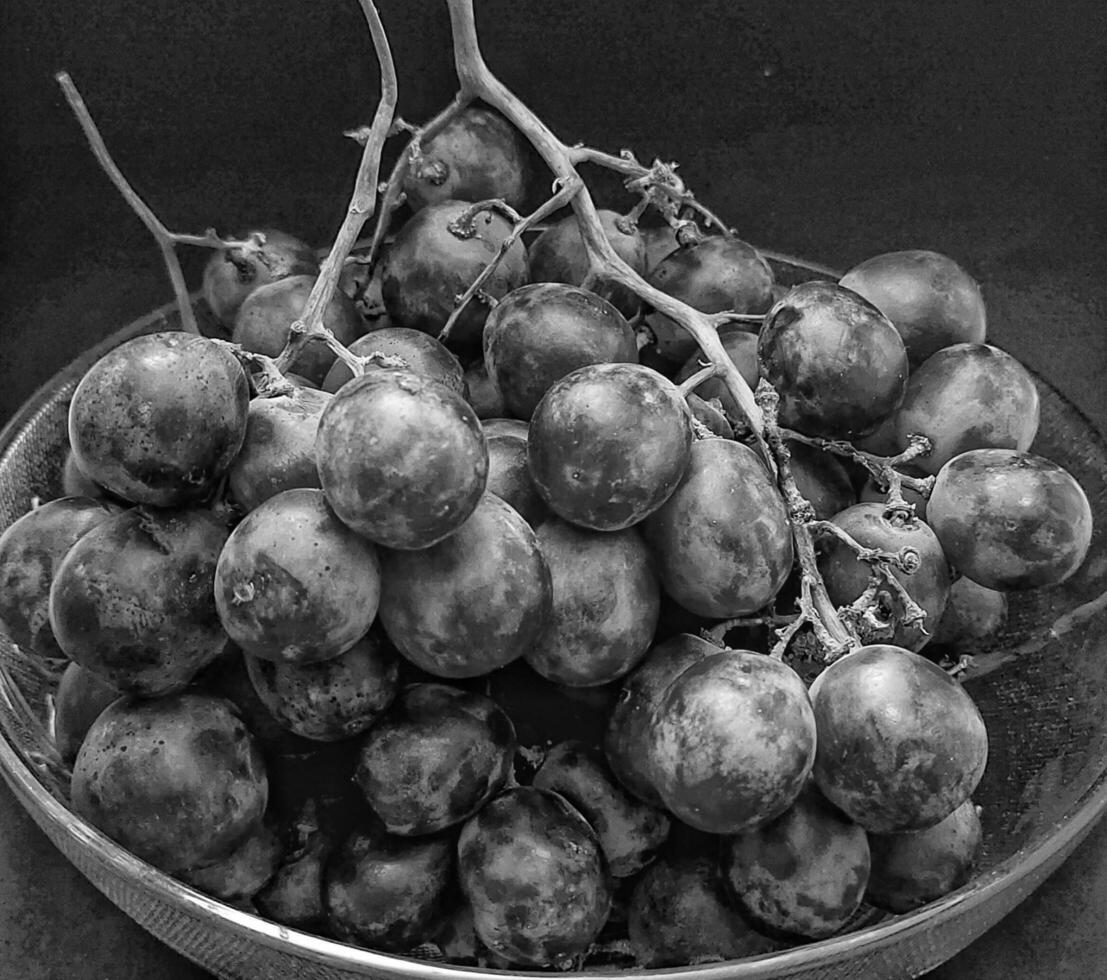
604,606
874,525
420,352
263,319
158,419
330,699
802,874
741,345
132,600
177,780
278,452
401,457
629,832
539,333
429,265
839,365
472,602
384,891
533,872
969,396
715,274
558,255
680,913
435,758
626,739
929,298
232,274
722,539
1010,519
584,446
911,869
294,584
477,155
900,743
31,549
732,742
508,474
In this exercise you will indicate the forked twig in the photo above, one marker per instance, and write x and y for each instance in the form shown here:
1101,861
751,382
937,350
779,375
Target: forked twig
561,197
363,204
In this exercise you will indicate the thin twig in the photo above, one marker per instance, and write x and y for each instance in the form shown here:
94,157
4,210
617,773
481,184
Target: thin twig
565,192
392,197
906,559
164,238
262,370
363,203
658,179
717,632
730,316
465,226
882,468
210,239
693,381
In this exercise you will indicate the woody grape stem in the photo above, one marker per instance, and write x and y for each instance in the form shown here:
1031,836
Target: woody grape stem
363,203
563,195
477,81
165,239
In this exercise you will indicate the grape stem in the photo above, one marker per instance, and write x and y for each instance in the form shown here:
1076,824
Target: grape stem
731,316
465,224
659,182
835,636
363,203
863,609
716,634
166,240
266,377
564,192
906,559
392,194
882,468
692,382
478,82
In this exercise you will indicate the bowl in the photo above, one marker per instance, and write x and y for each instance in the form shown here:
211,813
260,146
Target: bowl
1041,687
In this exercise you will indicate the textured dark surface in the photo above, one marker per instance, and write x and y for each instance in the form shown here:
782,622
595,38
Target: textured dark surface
973,130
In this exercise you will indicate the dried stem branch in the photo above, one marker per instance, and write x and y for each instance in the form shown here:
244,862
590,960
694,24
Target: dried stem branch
564,194
477,81
730,316
652,181
816,607
165,239
392,196
906,559
692,382
262,370
882,468
210,239
464,225
716,633
363,203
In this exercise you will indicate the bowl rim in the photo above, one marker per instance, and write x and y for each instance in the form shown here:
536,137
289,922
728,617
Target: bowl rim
1046,847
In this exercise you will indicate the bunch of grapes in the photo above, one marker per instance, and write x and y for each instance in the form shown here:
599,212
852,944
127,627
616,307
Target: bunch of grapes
315,566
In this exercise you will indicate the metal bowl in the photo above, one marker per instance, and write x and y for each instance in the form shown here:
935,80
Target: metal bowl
1042,689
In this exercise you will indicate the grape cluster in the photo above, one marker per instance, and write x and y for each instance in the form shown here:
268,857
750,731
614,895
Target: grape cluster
305,614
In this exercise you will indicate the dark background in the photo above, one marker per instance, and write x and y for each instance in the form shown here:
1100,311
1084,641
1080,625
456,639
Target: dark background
830,131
